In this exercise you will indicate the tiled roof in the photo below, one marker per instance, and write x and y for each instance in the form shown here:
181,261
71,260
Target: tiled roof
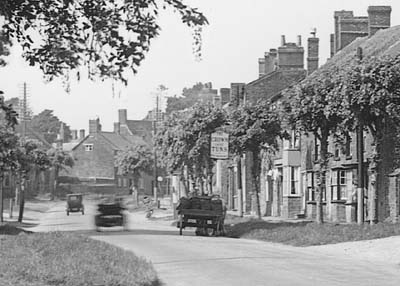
137,126
384,42
142,129
117,140
70,145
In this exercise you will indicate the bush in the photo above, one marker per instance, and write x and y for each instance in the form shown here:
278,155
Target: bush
69,260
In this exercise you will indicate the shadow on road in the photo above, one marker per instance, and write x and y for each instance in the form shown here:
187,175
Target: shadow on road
117,231
139,232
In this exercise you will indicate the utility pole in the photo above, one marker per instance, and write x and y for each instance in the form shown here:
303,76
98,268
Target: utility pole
155,121
360,161
24,117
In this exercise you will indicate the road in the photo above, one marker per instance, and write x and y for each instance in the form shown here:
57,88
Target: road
192,260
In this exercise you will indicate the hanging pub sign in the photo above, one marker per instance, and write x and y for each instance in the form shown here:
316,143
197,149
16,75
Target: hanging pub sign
219,145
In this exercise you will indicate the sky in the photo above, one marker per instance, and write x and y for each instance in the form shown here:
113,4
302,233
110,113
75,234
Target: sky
239,32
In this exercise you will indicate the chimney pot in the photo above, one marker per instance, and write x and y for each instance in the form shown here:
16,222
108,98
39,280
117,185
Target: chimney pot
283,41
378,18
299,40
94,126
74,134
81,133
122,116
117,128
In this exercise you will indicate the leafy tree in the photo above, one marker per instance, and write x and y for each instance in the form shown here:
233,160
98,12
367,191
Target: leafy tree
109,37
370,95
59,160
8,143
47,124
185,141
28,155
190,96
134,162
4,49
8,116
255,129
312,107
172,147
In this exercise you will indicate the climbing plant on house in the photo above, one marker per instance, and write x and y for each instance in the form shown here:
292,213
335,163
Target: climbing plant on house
313,107
369,93
255,128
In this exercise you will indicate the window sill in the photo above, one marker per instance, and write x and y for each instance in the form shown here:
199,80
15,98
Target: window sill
315,202
338,201
349,157
293,196
351,203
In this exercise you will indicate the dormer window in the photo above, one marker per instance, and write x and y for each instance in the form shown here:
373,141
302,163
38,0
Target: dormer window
88,147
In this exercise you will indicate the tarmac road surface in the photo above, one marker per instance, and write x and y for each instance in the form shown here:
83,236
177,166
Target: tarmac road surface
189,260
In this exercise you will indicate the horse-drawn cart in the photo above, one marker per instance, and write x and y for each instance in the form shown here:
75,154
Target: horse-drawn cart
205,213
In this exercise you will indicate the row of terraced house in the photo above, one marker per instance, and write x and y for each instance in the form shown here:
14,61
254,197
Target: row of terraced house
288,184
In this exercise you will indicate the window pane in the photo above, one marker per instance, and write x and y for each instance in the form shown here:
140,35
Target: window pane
334,193
343,192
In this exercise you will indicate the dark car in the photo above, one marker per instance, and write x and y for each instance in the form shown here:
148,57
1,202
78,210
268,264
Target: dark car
75,204
110,213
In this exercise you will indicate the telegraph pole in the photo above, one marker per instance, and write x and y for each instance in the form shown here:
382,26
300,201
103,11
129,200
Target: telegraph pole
360,161
24,117
155,184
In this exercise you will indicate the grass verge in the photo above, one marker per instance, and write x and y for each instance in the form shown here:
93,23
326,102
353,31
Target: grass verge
44,259
307,234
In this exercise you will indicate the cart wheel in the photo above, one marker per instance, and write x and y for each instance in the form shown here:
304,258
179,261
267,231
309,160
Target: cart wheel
83,211
67,212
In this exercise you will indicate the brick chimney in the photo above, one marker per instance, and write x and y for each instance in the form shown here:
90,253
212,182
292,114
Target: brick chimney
94,126
61,133
270,61
378,18
337,16
299,40
261,67
312,53
225,94
122,116
332,44
81,133
290,56
74,134
117,129
283,40
237,93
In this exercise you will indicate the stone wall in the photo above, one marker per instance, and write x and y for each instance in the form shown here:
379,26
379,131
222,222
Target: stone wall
292,206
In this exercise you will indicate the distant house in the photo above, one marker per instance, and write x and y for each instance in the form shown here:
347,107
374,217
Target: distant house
94,154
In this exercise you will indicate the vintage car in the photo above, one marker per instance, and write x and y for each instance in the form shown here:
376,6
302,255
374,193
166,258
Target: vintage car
75,204
110,213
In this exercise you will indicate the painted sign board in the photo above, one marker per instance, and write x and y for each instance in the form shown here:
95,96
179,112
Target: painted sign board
219,145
